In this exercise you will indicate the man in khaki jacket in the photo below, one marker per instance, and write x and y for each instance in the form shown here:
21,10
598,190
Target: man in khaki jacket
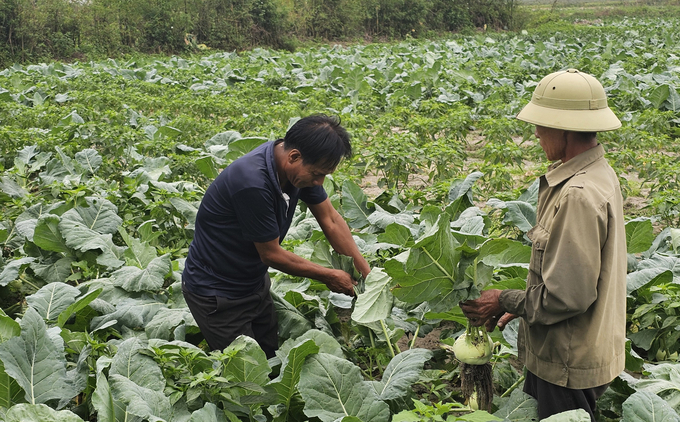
572,332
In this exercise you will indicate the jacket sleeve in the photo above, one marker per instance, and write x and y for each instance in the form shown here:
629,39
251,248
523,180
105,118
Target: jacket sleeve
566,272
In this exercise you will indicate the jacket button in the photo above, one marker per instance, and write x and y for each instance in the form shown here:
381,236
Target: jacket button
565,369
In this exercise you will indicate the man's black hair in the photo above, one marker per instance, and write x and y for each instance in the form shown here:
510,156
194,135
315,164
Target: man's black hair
320,139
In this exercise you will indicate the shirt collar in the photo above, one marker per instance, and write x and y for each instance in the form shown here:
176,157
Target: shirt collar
559,172
271,165
271,170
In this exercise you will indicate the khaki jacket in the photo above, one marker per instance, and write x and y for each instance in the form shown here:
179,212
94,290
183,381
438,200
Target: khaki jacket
573,327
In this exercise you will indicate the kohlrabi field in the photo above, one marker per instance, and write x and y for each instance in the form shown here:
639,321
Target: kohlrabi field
103,166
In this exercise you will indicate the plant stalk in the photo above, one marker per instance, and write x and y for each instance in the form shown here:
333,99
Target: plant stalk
415,336
513,387
24,280
387,337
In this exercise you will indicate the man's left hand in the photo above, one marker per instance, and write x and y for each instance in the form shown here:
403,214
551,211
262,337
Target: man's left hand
486,308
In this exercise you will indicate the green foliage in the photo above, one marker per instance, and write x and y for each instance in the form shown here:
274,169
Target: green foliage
103,165
44,30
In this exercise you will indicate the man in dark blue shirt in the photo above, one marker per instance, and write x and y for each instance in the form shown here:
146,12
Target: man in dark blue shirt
244,216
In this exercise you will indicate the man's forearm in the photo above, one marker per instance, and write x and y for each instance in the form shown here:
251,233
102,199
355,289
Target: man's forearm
292,264
342,241
338,234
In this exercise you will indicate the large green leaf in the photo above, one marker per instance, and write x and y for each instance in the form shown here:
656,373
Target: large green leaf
403,370
663,261
673,101
326,257
104,403
145,403
165,321
462,188
53,269
78,305
519,407
80,237
39,413
12,270
521,214
644,338
187,209
135,279
242,146
157,167
292,323
430,271
381,218
28,220
354,205
89,228
497,252
100,215
60,170
8,327
208,413
286,383
111,254
52,299
10,391
376,302
639,235
327,343
334,388
675,240
223,138
137,367
36,360
645,406
578,415
659,95
396,234
89,159
207,166
248,362
11,188
132,313
47,235
647,277
138,253
664,381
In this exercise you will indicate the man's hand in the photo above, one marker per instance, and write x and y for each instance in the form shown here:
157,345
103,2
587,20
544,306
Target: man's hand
484,310
340,282
505,319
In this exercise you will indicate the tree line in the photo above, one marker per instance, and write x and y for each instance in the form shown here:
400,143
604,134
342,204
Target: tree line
33,30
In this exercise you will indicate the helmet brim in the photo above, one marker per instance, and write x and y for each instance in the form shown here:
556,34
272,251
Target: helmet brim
601,120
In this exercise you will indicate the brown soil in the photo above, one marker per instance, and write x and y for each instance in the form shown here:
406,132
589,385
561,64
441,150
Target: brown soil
431,341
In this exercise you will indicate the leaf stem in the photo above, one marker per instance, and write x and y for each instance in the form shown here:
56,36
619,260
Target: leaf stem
513,387
387,337
415,336
438,265
24,280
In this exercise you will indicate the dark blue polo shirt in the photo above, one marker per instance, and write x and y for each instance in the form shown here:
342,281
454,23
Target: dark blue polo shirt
243,205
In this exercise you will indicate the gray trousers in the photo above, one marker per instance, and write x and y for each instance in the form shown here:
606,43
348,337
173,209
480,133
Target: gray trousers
221,320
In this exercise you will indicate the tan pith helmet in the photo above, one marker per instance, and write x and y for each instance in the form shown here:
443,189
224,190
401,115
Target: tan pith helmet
570,100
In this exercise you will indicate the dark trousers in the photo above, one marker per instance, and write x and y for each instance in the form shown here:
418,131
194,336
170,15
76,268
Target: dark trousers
553,399
221,320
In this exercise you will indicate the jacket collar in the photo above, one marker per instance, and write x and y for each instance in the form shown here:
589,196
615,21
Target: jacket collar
559,172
